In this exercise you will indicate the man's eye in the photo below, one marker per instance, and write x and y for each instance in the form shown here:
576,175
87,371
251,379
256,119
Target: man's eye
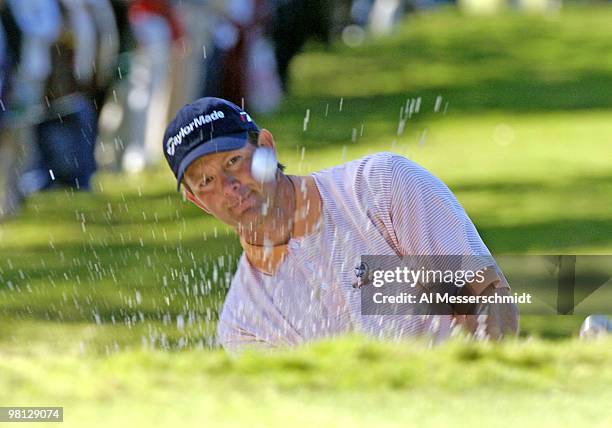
233,161
206,181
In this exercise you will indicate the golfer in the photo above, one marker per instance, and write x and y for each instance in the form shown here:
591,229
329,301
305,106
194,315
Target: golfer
304,236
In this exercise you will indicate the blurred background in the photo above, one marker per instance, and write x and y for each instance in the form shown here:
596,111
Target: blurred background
508,102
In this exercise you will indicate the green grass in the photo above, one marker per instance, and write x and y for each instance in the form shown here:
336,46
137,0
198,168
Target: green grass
89,280
347,382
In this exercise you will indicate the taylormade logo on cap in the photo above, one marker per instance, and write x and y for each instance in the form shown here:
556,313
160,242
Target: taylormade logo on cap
205,126
177,139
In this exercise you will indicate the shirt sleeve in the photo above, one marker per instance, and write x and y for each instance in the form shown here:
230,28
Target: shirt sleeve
426,217
235,339
241,325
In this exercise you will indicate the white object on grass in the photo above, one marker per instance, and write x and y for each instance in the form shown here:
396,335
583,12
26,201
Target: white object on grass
596,326
264,164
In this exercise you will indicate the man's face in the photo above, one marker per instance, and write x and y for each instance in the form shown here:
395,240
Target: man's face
223,184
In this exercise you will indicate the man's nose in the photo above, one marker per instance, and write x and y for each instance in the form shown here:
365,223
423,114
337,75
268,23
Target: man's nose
231,186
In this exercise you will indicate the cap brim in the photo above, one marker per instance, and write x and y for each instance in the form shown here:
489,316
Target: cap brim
216,145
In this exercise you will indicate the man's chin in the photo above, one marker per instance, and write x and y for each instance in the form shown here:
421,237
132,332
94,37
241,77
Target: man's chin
251,215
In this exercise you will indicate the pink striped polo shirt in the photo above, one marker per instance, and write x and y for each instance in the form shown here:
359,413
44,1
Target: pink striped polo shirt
382,204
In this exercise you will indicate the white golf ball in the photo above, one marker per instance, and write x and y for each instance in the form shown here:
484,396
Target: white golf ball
264,164
596,326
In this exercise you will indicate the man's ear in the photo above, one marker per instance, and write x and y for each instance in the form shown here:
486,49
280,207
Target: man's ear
195,200
266,139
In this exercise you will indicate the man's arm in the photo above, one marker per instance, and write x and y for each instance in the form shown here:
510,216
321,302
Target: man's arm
427,219
235,340
493,320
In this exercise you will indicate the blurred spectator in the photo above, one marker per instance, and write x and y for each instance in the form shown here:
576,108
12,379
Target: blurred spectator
66,134
294,22
242,66
198,18
62,56
32,27
108,38
68,67
156,28
385,15
9,191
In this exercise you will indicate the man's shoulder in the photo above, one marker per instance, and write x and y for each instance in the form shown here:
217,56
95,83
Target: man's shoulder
379,159
369,177
359,175
379,165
